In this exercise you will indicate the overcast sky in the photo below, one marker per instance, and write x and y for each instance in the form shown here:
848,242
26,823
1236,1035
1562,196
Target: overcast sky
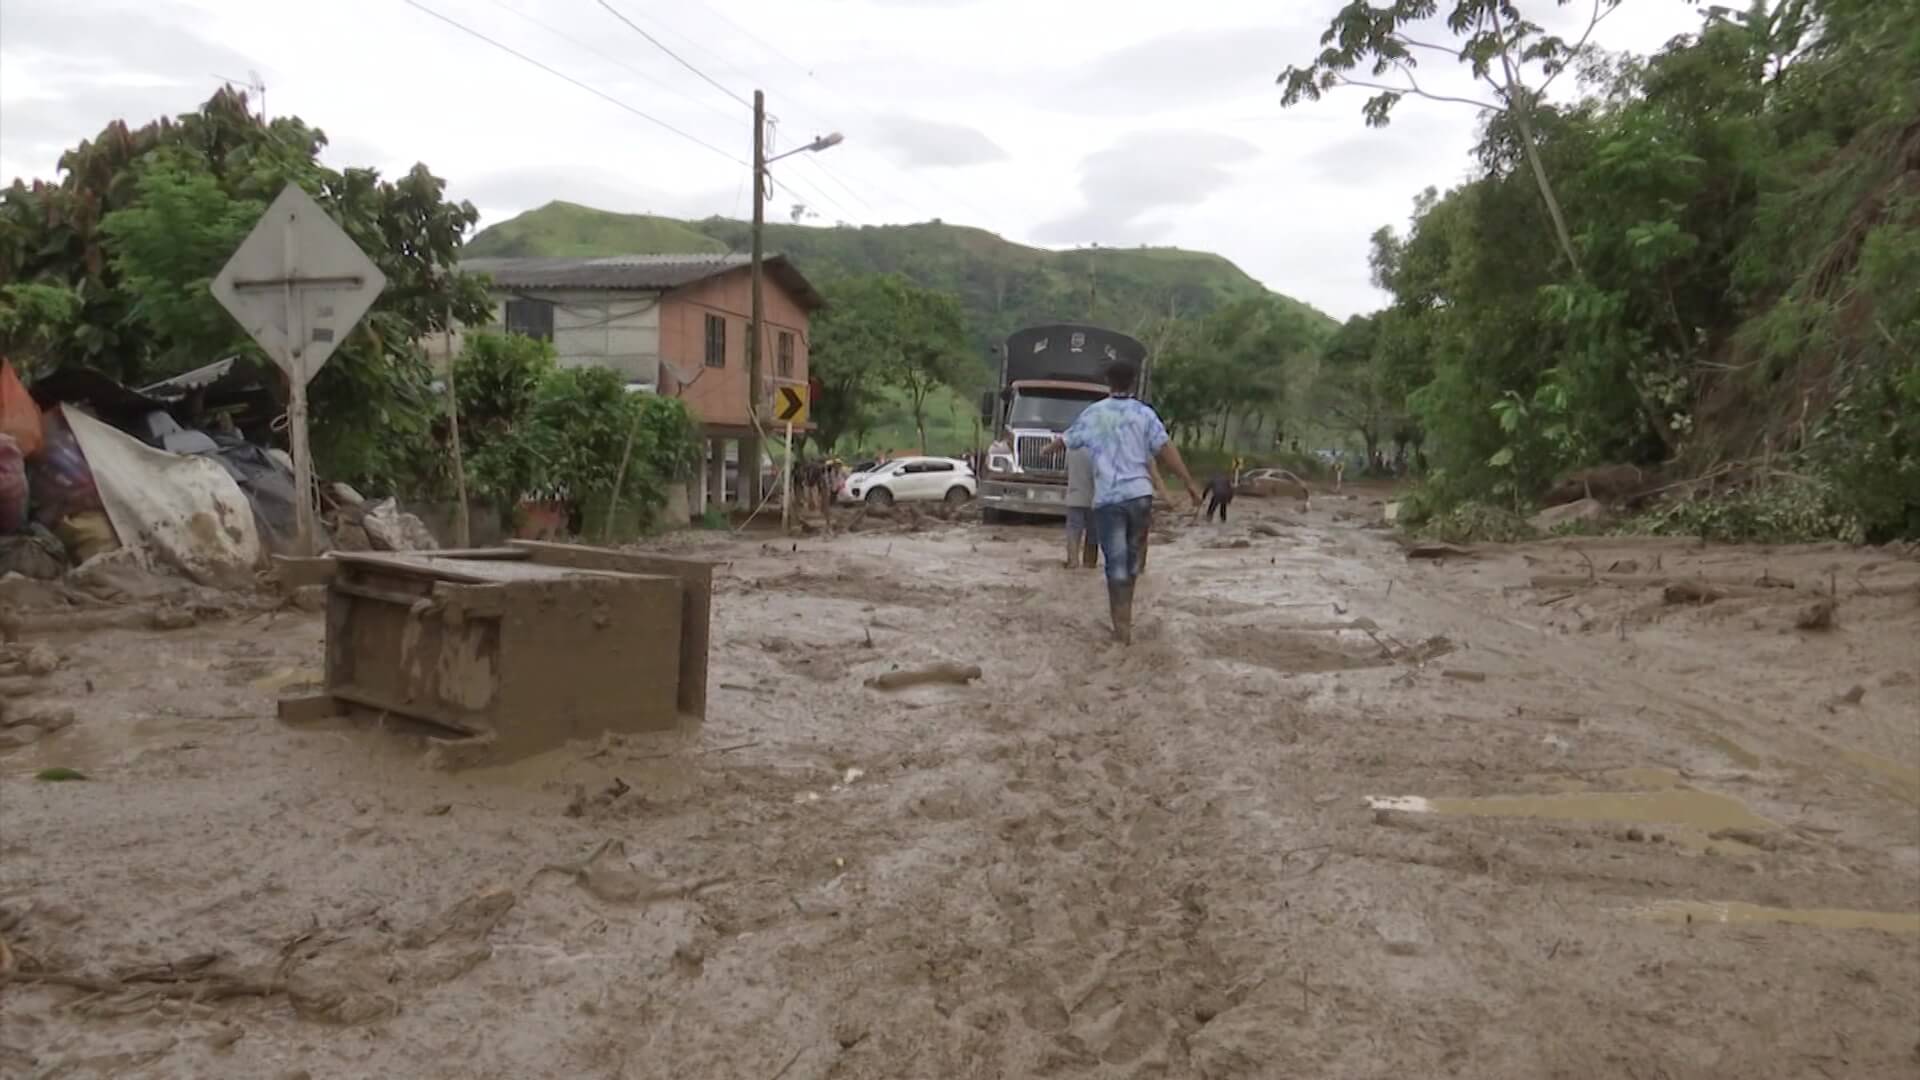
1051,122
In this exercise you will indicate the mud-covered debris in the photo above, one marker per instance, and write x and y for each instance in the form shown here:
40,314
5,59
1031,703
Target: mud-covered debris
15,736
48,718
1440,551
1854,696
1817,615
1691,592
1464,675
468,919
1584,511
956,674
1262,528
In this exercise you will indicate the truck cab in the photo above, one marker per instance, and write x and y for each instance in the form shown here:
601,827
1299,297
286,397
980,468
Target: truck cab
1048,376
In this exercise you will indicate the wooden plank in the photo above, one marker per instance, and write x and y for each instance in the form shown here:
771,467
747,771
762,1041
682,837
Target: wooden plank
504,553
382,703
296,572
308,709
400,564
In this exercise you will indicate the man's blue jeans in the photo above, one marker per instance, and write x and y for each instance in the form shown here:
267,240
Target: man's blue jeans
1122,529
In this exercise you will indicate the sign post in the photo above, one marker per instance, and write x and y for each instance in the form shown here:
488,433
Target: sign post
298,284
790,407
786,489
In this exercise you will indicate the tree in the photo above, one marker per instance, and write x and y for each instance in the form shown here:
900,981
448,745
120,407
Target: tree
1495,41
880,331
143,217
34,320
852,337
931,351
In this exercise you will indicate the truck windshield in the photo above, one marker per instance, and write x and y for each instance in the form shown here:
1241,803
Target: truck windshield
1054,411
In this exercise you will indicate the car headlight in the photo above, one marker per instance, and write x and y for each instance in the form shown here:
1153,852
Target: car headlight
999,463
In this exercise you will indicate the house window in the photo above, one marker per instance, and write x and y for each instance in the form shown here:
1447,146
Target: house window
534,318
783,355
716,341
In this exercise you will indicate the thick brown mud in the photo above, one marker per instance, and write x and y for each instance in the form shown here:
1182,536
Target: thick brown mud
1335,813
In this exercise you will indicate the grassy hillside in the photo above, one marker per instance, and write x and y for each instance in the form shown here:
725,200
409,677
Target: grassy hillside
1003,285
567,229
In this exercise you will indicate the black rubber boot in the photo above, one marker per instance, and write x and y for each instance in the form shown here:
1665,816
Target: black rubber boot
1120,602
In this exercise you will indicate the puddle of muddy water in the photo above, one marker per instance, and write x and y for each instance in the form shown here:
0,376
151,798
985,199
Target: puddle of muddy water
1903,779
1666,801
1739,913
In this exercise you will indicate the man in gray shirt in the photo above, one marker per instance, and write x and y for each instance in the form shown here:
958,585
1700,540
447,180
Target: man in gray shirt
1082,543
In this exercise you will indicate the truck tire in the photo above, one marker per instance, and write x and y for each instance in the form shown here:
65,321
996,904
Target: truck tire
990,516
957,495
880,497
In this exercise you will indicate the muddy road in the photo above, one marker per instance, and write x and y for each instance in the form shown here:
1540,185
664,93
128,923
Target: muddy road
1337,813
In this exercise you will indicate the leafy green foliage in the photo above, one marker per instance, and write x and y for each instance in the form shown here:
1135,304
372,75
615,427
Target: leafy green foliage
1785,511
34,319
1229,370
166,247
882,338
143,218
1741,284
535,430
59,774
1476,523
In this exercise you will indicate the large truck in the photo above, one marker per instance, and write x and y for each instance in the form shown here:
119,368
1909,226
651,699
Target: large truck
1048,375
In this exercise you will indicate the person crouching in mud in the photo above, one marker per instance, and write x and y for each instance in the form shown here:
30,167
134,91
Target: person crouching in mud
1083,546
1122,436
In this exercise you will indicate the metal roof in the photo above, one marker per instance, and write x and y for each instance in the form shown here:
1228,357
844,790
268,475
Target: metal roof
634,273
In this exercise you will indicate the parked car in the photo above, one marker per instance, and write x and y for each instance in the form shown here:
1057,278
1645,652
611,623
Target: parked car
1273,482
912,479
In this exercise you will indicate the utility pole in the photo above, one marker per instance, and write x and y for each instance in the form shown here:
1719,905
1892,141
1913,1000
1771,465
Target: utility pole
462,524
756,329
750,447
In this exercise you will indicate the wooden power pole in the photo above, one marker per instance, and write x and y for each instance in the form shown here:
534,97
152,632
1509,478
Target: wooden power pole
750,447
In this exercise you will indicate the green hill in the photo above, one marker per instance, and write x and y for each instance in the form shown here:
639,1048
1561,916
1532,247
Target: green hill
1003,285
562,229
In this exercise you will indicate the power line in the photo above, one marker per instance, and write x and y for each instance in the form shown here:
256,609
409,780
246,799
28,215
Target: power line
682,61
616,61
818,196
805,112
601,94
828,173
710,80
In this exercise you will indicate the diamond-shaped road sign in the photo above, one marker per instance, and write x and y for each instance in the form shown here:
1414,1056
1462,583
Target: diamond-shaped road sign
298,283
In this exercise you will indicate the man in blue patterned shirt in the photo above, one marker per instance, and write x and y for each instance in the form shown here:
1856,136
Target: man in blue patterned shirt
1123,436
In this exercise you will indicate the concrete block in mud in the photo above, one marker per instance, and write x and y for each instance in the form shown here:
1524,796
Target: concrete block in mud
505,645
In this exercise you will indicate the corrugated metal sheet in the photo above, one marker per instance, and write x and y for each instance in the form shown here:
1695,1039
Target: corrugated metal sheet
634,273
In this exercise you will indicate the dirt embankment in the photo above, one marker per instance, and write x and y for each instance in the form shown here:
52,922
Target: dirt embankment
1518,813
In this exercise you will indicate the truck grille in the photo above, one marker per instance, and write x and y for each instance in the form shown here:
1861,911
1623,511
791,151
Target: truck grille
1038,454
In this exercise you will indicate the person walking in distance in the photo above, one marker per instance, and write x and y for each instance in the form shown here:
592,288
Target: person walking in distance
1082,541
1122,436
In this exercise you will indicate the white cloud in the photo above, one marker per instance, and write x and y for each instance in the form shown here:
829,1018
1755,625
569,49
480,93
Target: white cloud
1115,121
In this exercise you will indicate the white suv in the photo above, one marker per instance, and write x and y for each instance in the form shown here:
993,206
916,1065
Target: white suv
914,479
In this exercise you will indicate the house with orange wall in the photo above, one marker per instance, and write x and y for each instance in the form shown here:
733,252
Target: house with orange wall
671,324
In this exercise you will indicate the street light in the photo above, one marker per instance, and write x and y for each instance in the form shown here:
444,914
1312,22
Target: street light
755,326
824,142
